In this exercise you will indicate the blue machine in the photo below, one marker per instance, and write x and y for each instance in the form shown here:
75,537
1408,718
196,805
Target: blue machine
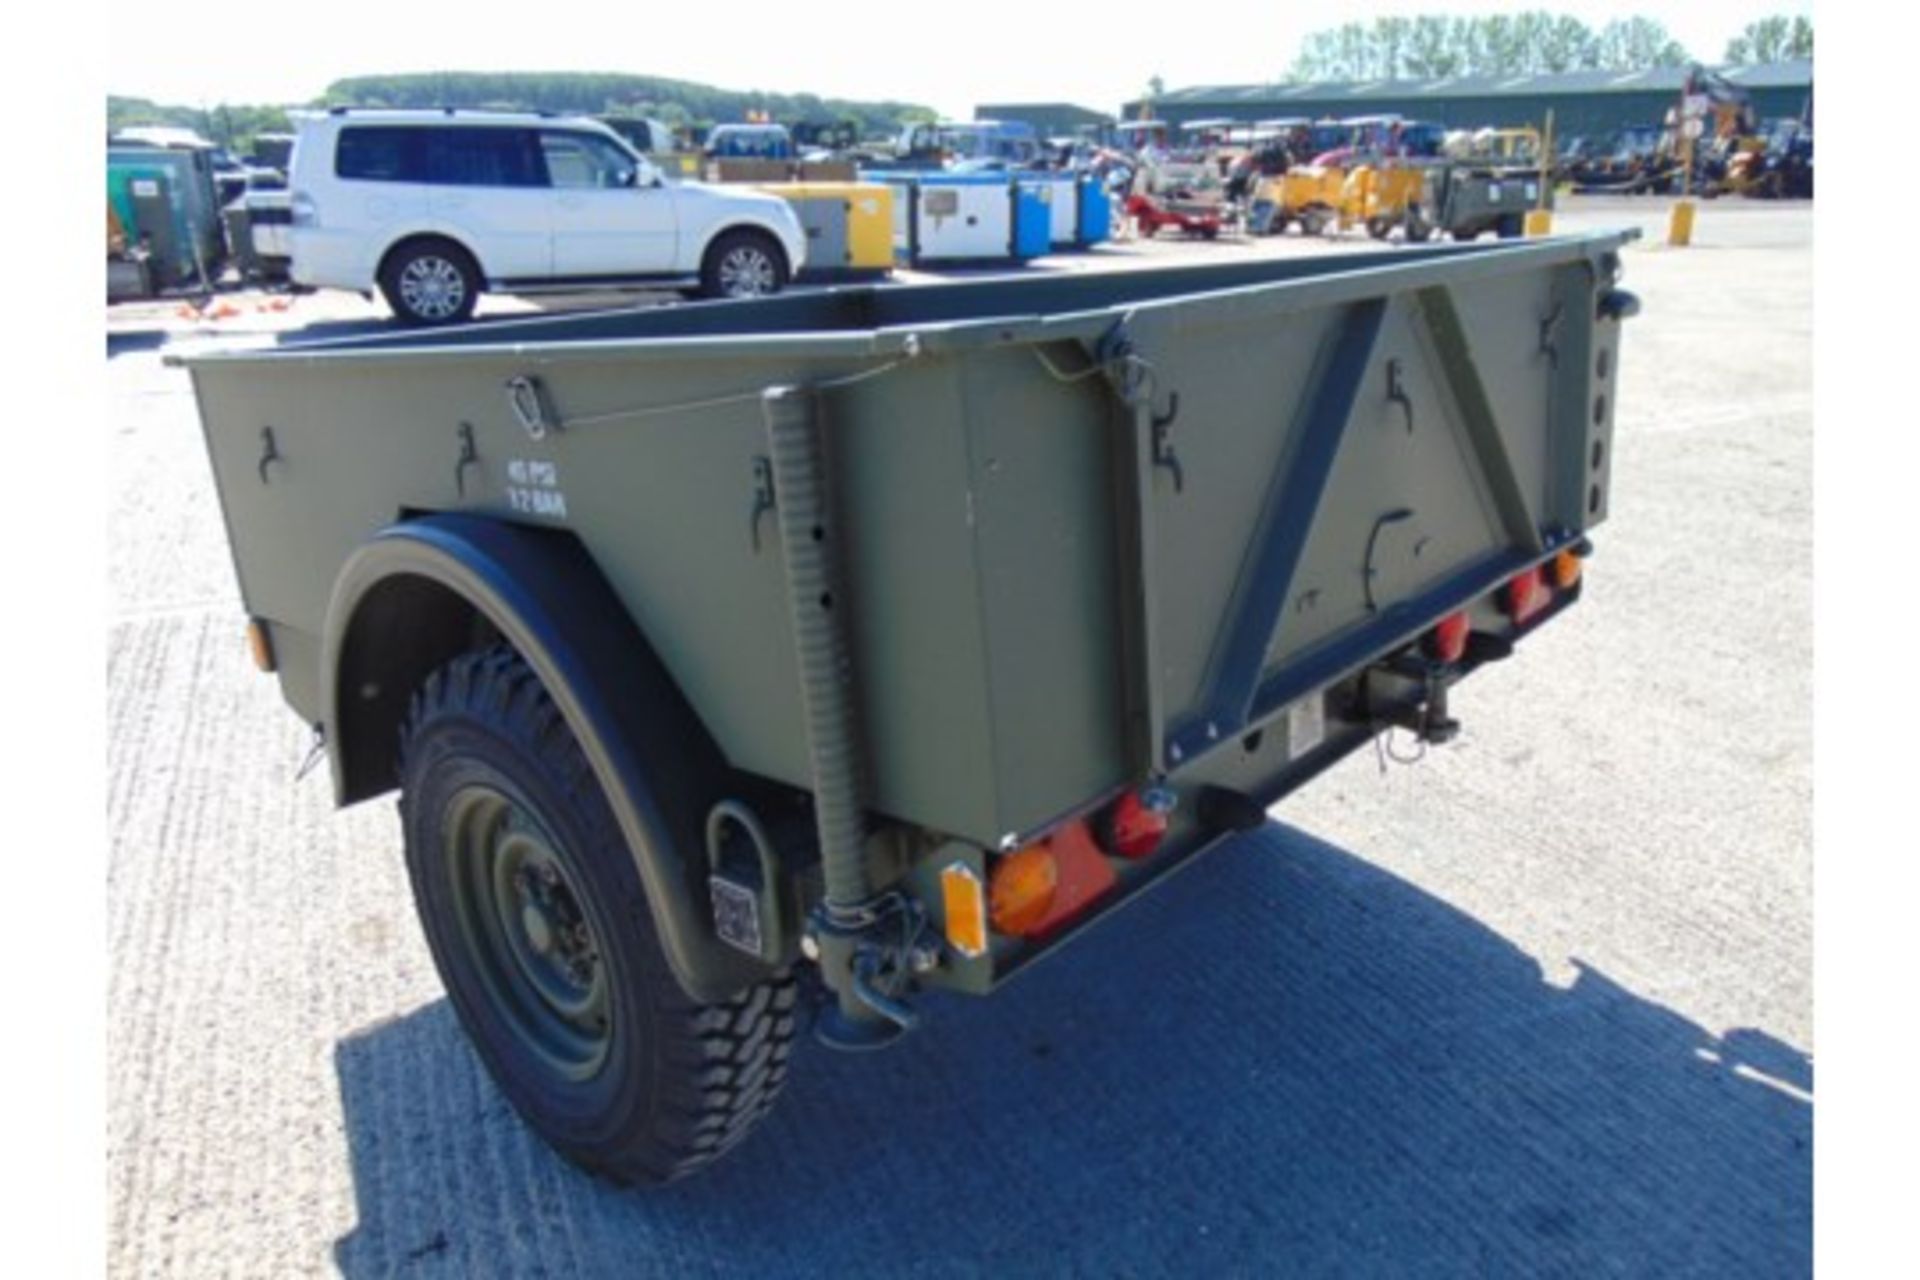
1032,220
1094,222
1080,208
1056,188
941,216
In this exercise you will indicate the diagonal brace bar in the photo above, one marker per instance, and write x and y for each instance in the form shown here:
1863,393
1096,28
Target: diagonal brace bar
1285,522
1476,411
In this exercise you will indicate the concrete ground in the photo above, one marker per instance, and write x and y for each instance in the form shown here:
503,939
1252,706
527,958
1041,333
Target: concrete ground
1539,1005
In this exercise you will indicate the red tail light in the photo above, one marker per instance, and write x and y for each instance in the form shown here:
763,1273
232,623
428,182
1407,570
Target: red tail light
1527,594
1048,883
1136,825
1448,641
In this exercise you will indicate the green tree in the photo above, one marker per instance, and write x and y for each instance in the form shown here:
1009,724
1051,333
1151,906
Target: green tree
593,92
1774,39
1634,44
1434,45
1431,51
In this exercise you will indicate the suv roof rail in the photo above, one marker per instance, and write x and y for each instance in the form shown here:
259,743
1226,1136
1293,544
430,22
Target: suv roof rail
444,110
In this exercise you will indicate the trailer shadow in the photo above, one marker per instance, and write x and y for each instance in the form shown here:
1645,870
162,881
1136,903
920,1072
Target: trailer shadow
1283,1060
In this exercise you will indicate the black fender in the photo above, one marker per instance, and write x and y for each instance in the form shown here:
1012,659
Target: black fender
425,589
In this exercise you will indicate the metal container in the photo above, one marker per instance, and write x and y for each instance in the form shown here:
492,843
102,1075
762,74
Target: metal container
1468,200
849,225
1096,528
951,217
152,206
1093,211
194,203
1033,219
897,631
1060,193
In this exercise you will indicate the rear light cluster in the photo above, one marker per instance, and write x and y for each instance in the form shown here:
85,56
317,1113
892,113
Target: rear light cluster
1520,597
1042,885
1448,641
1527,594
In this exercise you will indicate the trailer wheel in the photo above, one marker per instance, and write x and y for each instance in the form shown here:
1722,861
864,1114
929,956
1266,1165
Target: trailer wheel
1379,228
430,281
541,932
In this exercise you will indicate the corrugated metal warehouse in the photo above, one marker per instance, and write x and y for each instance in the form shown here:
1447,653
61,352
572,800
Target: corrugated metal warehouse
1583,102
1049,119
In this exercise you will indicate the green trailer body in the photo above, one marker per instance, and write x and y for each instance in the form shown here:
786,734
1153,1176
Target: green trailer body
930,573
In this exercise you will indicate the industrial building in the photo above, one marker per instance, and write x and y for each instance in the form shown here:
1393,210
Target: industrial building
1583,102
1049,119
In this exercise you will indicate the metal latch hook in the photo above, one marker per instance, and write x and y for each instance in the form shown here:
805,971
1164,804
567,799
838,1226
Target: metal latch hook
1397,392
1163,454
763,501
468,457
532,409
269,452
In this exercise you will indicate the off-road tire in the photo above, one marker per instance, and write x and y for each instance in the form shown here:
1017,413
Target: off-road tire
732,245
679,1082
442,258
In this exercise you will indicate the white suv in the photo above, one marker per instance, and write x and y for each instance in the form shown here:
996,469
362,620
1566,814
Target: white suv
434,207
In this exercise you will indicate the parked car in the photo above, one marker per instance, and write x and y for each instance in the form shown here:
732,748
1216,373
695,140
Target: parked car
433,208
750,142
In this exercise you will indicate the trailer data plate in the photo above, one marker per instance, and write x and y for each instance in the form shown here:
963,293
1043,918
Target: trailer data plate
1306,725
736,915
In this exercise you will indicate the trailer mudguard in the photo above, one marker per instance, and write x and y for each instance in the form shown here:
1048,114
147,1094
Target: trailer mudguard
427,588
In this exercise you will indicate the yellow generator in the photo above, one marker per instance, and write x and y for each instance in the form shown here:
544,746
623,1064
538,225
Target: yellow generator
1308,194
849,226
1384,197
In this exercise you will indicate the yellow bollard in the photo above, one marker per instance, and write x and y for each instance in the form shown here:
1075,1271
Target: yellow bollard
1539,222
1680,229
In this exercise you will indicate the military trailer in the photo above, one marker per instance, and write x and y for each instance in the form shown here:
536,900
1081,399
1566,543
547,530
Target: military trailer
874,641
1467,201
1489,183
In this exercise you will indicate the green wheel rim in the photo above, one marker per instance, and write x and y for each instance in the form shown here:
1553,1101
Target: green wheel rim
527,929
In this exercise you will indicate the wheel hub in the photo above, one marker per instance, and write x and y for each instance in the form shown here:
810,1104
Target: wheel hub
432,287
746,272
539,932
529,932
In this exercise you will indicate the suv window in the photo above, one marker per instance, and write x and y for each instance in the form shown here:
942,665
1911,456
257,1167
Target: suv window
378,154
479,156
584,160
445,155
